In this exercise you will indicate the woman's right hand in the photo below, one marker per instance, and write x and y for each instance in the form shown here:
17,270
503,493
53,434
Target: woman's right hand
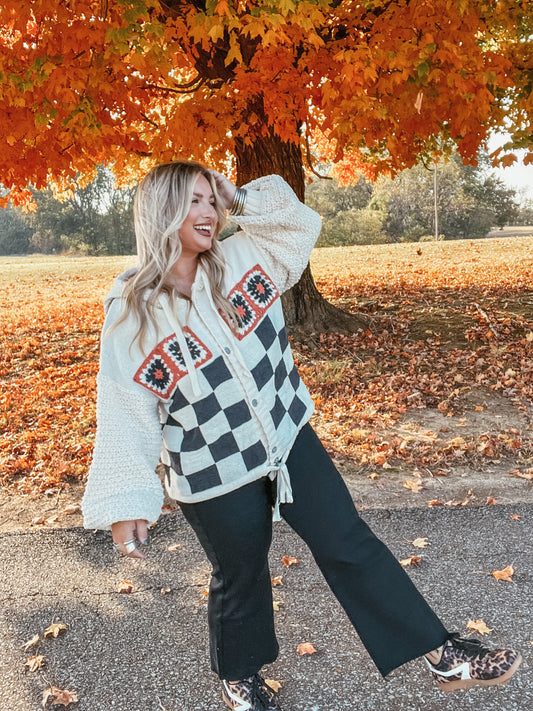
225,188
128,534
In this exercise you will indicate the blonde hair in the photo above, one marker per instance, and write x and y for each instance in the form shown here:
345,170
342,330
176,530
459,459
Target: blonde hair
162,203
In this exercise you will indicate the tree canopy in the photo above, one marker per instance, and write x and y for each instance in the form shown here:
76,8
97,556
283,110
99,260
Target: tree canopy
368,83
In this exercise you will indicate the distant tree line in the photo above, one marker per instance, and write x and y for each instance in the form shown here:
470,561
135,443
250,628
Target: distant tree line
98,219
470,201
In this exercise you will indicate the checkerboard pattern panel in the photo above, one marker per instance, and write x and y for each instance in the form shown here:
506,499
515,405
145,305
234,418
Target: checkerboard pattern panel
208,440
276,373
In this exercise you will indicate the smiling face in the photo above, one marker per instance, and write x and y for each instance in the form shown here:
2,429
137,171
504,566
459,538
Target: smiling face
199,227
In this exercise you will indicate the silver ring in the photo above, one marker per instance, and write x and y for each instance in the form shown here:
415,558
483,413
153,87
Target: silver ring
129,546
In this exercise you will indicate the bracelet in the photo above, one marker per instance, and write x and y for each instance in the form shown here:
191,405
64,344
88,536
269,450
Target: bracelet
239,202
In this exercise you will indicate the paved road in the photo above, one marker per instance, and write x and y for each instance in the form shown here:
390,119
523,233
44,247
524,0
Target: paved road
147,651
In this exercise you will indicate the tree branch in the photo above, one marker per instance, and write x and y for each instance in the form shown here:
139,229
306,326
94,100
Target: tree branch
310,160
188,88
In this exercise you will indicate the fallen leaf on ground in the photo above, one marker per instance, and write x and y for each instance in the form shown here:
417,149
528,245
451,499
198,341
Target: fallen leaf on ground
39,521
174,547
527,474
35,662
435,502
306,648
72,509
31,642
374,475
275,605
55,629
504,574
415,486
165,591
167,509
421,543
124,587
515,517
478,626
491,500
275,685
52,519
278,580
287,561
412,560
59,696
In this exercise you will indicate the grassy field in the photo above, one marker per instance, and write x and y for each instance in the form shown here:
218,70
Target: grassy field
449,334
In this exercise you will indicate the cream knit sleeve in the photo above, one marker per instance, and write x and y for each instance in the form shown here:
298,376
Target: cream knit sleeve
122,483
281,227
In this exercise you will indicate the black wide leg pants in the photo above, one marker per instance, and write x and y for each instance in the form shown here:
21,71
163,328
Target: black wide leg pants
389,614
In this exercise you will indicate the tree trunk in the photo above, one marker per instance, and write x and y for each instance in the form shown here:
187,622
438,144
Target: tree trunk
304,307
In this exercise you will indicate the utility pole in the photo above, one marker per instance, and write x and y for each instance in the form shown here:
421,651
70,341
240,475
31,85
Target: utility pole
435,201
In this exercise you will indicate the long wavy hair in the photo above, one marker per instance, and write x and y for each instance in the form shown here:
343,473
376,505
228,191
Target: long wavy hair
162,203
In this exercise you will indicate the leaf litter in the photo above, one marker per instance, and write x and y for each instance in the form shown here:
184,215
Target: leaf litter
422,388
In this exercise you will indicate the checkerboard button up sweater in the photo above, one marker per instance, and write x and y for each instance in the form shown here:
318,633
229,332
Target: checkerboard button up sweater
219,408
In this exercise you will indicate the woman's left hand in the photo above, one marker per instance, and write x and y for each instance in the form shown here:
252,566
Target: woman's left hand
225,188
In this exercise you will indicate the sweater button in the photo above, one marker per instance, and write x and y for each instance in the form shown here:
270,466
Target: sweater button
227,350
254,403
274,450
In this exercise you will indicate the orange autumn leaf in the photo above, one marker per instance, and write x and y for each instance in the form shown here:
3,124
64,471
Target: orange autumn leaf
167,509
421,543
305,648
414,485
411,560
289,560
505,574
277,580
35,662
526,474
274,684
59,697
55,629
478,626
31,642
515,517
125,587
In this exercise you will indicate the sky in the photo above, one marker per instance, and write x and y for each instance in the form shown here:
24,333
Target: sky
518,176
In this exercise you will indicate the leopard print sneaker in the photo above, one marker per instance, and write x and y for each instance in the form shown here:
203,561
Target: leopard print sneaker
251,694
464,663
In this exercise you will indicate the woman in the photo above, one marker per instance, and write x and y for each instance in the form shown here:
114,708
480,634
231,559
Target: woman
196,371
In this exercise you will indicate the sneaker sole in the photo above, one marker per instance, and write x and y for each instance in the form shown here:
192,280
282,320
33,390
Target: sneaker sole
448,686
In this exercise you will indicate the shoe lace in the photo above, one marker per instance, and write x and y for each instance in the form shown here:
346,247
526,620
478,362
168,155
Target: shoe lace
470,646
261,692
